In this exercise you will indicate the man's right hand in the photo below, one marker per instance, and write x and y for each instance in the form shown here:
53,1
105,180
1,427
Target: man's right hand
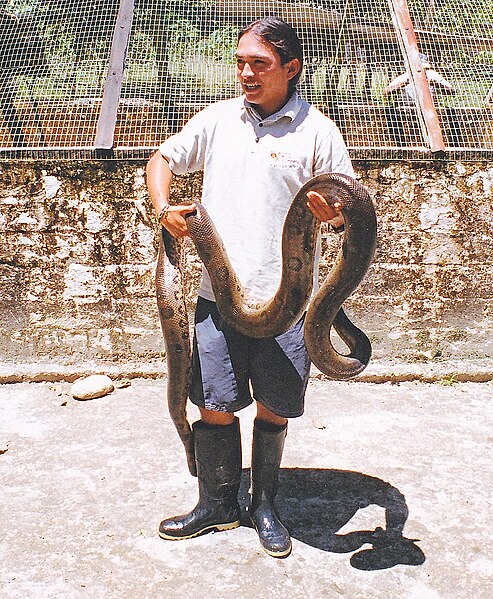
174,220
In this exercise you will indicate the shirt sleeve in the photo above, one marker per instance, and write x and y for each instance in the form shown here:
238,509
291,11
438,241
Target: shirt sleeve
185,151
332,155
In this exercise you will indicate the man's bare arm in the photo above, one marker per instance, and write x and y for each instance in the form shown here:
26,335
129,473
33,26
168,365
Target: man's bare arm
159,178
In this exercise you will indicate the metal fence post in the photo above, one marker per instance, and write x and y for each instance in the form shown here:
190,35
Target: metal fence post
427,113
105,132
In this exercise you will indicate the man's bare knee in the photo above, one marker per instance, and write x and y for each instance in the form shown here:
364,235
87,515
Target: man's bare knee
266,415
213,417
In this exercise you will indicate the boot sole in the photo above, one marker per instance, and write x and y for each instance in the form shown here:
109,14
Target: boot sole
285,553
202,531
272,552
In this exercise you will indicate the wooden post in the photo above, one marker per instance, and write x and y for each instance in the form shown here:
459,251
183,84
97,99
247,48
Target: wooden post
428,116
105,132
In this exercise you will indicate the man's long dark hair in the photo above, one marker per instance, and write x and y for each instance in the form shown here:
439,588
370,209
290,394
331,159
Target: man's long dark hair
284,39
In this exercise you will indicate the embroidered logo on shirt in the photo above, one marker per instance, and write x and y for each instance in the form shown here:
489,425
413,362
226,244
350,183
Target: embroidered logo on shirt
284,160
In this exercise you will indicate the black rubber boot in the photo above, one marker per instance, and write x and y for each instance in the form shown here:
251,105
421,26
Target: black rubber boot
268,445
218,455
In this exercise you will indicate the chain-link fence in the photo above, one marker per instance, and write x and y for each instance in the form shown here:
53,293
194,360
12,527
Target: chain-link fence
115,77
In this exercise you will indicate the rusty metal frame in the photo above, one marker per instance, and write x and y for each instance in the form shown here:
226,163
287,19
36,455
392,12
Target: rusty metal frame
427,113
105,132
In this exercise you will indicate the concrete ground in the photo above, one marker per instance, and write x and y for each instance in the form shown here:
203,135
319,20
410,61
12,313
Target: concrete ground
85,485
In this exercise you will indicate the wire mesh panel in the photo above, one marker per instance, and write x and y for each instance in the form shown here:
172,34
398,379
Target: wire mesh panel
53,58
366,54
180,59
456,40
60,60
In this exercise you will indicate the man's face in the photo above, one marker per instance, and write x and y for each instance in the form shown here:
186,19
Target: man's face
264,80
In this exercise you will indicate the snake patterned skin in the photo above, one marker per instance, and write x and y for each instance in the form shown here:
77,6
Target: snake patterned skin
270,318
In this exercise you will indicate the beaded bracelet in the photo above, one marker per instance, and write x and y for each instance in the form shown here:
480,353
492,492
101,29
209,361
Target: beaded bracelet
163,213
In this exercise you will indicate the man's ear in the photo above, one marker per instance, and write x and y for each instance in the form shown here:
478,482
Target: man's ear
294,67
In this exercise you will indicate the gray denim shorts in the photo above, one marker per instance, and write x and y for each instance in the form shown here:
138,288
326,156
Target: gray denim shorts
228,366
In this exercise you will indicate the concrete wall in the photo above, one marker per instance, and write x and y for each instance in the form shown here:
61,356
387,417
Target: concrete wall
78,246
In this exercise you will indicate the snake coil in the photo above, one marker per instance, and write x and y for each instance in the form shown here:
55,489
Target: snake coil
278,314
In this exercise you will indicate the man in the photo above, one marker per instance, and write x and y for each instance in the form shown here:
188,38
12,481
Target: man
256,151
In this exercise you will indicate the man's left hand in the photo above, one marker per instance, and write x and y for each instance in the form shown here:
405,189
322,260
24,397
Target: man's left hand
327,213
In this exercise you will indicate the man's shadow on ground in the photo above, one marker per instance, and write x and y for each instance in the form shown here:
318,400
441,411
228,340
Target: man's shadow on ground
315,504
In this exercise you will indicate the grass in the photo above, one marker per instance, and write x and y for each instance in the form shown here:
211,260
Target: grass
449,380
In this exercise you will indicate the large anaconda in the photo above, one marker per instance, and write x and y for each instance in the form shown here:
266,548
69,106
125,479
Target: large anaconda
276,315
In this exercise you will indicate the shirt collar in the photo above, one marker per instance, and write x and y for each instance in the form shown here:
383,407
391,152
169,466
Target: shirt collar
290,110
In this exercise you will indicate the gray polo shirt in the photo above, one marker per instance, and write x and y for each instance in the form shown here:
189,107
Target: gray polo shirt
253,168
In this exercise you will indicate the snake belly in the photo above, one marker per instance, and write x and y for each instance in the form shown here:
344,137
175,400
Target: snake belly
293,296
